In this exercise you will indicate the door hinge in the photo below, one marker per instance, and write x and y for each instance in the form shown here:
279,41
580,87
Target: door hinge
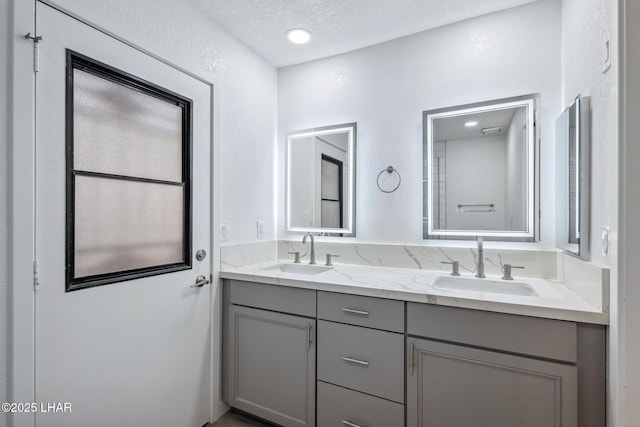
36,276
36,50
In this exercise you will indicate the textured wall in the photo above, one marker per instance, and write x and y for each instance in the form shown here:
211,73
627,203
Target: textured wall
586,24
4,100
385,88
245,90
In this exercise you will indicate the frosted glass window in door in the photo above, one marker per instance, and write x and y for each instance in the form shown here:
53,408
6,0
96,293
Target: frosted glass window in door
125,225
120,130
128,176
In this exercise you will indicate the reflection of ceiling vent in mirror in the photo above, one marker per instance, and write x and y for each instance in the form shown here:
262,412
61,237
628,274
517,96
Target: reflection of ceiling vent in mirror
491,131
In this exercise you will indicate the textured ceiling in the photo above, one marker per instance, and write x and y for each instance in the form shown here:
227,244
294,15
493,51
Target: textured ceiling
337,26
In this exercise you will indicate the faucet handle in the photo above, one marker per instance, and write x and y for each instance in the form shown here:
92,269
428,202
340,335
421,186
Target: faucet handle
455,267
506,271
329,263
296,258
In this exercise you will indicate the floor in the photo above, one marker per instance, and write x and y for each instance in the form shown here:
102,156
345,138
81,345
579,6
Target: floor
237,419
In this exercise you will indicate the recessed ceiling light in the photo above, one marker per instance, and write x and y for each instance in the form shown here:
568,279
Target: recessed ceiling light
299,36
470,124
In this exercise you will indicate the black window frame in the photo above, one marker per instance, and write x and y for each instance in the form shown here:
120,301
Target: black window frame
84,63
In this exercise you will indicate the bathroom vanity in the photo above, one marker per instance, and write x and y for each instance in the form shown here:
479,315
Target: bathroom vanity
368,346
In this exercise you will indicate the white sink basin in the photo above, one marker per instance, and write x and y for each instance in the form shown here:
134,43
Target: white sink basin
505,287
298,268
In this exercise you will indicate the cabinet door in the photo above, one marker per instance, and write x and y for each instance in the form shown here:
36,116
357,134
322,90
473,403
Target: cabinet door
271,361
450,385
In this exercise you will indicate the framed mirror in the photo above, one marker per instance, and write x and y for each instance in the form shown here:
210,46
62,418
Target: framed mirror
573,163
320,194
480,171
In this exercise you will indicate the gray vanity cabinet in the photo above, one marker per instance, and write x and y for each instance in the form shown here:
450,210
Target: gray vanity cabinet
376,362
270,358
469,368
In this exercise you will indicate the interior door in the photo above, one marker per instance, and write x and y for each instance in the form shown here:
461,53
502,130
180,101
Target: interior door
133,350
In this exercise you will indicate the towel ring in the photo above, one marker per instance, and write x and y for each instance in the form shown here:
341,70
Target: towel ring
389,170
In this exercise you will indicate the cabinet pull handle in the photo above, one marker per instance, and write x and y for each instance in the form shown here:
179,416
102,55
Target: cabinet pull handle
358,312
411,358
309,339
350,424
356,361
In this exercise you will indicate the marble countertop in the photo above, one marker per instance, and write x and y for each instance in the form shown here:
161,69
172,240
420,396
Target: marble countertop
554,300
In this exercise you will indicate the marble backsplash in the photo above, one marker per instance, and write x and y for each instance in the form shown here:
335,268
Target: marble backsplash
234,256
586,279
539,264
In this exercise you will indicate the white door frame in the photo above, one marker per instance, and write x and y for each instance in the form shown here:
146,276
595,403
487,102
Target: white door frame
624,372
21,211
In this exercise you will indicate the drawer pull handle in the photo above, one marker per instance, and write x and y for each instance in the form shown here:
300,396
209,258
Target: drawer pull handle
350,424
358,312
356,361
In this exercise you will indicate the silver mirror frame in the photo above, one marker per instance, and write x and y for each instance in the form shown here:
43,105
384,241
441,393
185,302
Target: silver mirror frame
581,248
349,230
530,234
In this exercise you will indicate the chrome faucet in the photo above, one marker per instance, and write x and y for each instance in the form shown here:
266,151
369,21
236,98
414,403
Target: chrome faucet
480,260
312,253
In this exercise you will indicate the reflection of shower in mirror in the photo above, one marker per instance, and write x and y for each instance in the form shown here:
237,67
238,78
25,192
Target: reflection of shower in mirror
480,180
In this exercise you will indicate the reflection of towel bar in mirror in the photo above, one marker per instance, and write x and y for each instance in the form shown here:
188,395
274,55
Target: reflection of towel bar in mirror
485,207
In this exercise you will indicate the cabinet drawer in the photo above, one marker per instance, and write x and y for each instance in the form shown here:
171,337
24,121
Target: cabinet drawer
273,297
362,359
371,312
551,339
341,407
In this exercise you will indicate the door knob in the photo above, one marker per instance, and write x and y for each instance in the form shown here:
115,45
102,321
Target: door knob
201,254
200,282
